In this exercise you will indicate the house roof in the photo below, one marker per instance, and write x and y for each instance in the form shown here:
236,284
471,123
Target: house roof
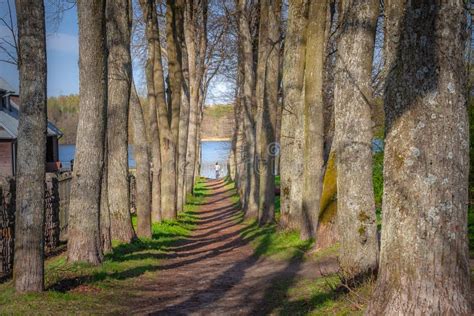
9,123
9,117
5,86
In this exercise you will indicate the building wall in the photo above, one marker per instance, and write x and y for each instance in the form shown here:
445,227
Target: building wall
6,158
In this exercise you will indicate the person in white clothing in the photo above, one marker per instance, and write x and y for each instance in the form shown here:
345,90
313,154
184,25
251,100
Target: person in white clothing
218,169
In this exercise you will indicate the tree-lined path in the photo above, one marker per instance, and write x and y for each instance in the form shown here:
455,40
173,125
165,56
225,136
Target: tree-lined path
216,271
314,85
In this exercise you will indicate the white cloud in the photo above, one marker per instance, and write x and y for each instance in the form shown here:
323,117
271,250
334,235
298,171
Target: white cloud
62,42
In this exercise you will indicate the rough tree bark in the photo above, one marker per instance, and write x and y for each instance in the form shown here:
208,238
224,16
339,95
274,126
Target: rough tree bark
189,36
183,144
248,110
195,33
184,115
293,77
355,196
424,261
154,99
118,14
326,232
142,159
28,269
168,114
105,230
313,171
268,64
239,132
84,242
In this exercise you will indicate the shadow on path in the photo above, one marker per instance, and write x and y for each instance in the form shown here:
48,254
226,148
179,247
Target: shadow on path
215,271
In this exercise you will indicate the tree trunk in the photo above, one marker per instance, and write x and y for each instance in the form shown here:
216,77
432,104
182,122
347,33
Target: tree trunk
105,230
269,58
239,133
332,32
84,242
120,75
28,270
195,23
355,195
327,232
424,261
151,120
168,116
182,147
313,171
249,108
293,77
183,132
142,159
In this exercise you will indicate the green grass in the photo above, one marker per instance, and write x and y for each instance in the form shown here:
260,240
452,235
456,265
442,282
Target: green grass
80,287
316,296
377,179
268,241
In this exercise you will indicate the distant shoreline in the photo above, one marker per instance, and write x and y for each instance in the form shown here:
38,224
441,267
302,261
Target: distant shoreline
216,139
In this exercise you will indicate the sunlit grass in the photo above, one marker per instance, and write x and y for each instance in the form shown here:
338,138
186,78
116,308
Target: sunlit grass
268,241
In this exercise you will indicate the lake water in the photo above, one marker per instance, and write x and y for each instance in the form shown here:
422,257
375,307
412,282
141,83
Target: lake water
67,152
212,152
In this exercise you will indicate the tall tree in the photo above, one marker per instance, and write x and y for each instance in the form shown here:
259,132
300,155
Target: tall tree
184,110
293,83
268,68
326,232
355,195
248,109
168,114
119,83
105,229
195,33
84,234
155,97
183,141
424,261
239,134
28,266
142,159
313,171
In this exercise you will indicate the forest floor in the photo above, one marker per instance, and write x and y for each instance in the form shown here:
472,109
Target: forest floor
209,262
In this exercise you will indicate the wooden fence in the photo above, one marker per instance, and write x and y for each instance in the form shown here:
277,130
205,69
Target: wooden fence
56,202
57,196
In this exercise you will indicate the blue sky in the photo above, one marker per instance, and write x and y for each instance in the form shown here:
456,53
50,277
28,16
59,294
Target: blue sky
62,53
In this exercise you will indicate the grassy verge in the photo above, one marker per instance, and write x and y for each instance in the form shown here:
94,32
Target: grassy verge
82,288
317,296
269,241
291,295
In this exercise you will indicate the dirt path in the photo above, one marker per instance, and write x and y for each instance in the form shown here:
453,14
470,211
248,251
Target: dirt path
215,272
